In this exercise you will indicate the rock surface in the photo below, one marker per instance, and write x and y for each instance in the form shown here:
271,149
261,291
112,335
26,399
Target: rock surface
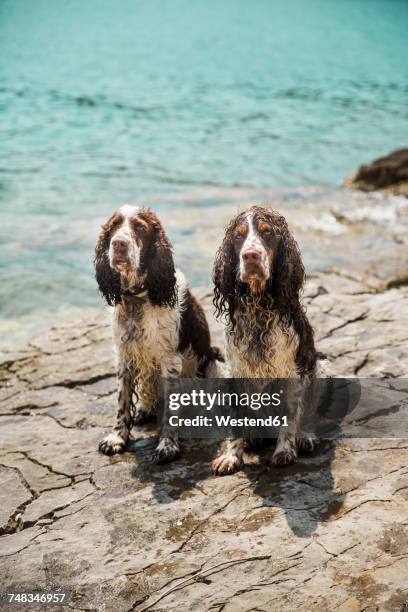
329,533
389,172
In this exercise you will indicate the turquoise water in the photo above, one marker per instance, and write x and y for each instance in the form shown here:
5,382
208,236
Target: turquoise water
102,102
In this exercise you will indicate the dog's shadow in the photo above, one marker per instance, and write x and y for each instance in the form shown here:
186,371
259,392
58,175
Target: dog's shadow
305,490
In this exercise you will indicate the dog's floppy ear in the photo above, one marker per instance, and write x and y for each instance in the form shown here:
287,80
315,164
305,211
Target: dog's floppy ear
108,280
225,276
288,273
161,274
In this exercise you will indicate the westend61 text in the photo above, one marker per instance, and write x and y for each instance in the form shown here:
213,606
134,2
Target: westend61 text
227,421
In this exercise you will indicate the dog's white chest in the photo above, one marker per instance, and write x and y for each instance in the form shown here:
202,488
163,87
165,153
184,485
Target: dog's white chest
159,329
266,351
149,334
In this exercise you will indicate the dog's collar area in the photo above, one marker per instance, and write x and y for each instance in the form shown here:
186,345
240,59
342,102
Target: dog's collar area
137,295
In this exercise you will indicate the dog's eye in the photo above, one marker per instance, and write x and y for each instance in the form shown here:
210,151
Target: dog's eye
241,231
264,228
139,229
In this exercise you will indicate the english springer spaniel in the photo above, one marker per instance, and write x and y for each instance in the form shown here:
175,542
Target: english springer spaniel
159,328
258,276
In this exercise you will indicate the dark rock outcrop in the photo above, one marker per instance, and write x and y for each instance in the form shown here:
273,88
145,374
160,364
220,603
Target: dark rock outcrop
388,173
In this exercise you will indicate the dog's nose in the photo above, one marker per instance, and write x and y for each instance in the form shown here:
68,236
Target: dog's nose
120,246
251,256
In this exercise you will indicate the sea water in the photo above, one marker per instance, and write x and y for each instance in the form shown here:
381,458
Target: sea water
105,102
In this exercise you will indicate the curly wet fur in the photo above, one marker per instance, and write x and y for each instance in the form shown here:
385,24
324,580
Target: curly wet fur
267,331
156,264
279,302
159,329
108,279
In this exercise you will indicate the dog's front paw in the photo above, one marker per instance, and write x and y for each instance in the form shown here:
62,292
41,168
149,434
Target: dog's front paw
166,451
307,443
285,454
112,444
226,464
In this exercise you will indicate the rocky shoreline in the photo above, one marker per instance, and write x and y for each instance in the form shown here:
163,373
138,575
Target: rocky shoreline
121,534
330,532
336,228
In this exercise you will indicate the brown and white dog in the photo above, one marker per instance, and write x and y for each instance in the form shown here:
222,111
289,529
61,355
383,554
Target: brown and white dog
159,329
258,276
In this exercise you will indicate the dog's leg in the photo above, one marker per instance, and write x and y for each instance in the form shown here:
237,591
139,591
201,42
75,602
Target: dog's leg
230,459
168,448
145,408
116,441
285,452
306,440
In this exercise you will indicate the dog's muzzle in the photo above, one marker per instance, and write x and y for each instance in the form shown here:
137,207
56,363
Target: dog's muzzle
253,265
120,251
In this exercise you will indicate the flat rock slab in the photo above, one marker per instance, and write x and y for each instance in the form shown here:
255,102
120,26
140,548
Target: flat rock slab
330,532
